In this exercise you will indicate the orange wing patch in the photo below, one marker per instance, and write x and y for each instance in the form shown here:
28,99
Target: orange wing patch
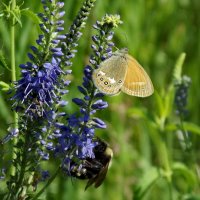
137,82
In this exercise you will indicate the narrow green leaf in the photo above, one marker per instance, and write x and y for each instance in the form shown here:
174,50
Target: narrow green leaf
4,111
3,62
147,181
186,172
16,17
192,127
4,86
168,101
178,67
188,126
137,113
159,103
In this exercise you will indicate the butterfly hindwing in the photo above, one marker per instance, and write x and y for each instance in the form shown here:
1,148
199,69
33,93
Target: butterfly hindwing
110,75
137,81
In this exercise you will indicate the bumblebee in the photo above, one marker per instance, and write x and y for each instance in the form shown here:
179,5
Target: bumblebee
94,169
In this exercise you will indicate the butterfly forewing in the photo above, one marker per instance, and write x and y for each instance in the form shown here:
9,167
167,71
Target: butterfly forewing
110,75
137,82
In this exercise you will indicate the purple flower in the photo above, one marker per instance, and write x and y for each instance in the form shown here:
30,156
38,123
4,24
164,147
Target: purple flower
181,94
2,174
86,148
12,132
78,142
45,175
35,92
99,104
37,98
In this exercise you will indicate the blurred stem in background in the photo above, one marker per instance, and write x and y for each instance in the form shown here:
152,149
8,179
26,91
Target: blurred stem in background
165,170
47,184
175,96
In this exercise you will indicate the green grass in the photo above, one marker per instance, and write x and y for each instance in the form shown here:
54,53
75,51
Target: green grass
142,132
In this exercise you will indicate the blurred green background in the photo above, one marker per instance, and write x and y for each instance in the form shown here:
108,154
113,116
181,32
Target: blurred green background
156,32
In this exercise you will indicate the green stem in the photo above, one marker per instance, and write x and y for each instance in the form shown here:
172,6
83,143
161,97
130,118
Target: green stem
23,164
93,87
170,191
166,165
48,183
163,156
185,135
147,189
13,44
13,76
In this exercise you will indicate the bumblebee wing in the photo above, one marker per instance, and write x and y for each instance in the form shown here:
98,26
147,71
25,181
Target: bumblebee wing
137,81
98,179
110,75
90,182
101,176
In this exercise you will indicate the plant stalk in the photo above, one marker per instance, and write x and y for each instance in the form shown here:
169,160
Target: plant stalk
13,75
48,183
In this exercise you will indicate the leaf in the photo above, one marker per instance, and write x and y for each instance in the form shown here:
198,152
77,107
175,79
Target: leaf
164,104
4,86
168,101
137,113
3,62
192,127
16,16
188,126
5,111
178,67
186,172
147,181
31,15
159,102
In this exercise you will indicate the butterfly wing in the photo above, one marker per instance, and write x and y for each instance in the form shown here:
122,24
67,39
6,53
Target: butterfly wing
110,75
137,81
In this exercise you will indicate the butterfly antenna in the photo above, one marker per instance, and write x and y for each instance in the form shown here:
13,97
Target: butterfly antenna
126,42
116,48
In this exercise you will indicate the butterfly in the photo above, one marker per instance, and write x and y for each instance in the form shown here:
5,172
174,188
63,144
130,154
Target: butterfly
121,72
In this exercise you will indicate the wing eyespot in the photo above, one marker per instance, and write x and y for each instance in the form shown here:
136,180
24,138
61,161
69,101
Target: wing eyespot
106,83
101,79
120,81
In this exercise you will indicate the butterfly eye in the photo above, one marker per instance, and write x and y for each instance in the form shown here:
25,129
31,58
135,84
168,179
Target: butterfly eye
106,82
